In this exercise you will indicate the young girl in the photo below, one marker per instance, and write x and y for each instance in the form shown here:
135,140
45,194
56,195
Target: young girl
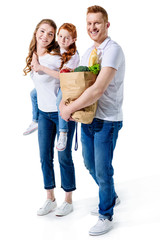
45,77
67,36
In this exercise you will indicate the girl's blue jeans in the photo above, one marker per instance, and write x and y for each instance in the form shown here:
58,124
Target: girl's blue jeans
98,144
47,130
35,111
63,125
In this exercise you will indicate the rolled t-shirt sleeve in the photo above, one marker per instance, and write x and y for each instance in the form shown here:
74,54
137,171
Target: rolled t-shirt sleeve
112,57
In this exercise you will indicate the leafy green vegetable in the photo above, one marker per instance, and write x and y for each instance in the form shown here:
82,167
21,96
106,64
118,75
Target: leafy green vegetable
81,69
94,69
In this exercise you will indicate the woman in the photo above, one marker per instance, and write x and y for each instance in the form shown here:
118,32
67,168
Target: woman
48,52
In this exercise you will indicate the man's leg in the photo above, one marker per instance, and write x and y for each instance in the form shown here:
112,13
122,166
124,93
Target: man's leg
87,139
106,134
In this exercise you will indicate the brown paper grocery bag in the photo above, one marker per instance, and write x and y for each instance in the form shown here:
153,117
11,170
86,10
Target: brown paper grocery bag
73,84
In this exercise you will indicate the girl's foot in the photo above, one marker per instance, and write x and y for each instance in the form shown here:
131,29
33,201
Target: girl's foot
62,142
32,127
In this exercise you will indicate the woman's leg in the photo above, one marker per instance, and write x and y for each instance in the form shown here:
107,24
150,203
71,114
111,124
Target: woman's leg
46,137
67,174
66,162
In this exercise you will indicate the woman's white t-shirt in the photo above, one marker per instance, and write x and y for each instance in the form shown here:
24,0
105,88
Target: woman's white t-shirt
47,86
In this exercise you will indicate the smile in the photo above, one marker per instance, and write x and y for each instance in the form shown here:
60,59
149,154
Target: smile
94,32
43,40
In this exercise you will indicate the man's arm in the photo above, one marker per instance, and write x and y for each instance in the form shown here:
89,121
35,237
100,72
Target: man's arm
90,95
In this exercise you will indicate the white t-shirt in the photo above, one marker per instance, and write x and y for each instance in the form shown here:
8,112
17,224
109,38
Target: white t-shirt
110,54
73,62
47,86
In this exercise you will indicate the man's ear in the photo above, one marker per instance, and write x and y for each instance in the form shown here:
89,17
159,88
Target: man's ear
108,24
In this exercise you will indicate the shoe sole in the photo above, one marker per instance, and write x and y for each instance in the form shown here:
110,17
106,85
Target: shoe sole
27,133
62,215
100,233
60,150
46,213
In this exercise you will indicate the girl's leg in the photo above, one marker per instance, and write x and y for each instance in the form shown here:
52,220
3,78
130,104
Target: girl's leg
35,112
63,127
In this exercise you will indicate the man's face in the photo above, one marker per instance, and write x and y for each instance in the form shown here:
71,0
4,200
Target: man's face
96,27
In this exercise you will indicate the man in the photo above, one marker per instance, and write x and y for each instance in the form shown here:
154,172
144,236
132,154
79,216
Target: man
99,138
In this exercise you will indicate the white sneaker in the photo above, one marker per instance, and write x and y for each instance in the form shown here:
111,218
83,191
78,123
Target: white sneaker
62,142
95,211
32,127
101,227
47,207
64,209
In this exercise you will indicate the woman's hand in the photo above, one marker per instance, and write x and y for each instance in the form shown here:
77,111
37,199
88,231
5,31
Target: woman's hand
35,64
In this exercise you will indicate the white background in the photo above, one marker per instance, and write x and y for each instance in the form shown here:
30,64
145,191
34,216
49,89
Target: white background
135,26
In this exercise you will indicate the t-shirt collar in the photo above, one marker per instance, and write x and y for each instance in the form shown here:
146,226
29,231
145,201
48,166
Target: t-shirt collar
62,50
104,43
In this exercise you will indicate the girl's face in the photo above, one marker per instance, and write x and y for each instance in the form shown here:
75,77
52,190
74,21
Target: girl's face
44,35
65,39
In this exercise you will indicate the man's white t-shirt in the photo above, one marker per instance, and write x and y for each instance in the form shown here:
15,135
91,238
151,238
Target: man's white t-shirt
110,54
47,86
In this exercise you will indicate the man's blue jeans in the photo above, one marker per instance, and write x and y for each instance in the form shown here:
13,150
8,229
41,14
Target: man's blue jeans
35,111
47,130
98,144
63,125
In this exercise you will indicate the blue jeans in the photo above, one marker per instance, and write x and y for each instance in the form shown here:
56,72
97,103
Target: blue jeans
63,125
47,130
98,144
35,111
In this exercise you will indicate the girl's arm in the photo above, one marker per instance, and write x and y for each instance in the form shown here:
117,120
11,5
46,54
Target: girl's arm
37,67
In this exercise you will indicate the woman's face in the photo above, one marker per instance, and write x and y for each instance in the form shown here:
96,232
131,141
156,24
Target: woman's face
64,39
45,35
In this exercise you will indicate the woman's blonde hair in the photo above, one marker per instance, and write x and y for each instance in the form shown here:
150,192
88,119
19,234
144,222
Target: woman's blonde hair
53,46
66,56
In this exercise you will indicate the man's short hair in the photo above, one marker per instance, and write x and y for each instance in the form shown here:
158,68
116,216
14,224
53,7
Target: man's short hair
97,9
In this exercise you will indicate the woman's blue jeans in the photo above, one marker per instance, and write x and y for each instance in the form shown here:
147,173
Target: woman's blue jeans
47,130
35,110
63,125
98,144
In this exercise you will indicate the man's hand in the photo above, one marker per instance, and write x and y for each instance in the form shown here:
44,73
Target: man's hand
64,111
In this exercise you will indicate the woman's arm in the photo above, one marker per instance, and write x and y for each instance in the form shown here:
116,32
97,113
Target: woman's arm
37,67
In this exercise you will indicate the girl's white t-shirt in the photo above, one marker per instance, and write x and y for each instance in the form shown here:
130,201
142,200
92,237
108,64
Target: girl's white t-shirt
47,86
